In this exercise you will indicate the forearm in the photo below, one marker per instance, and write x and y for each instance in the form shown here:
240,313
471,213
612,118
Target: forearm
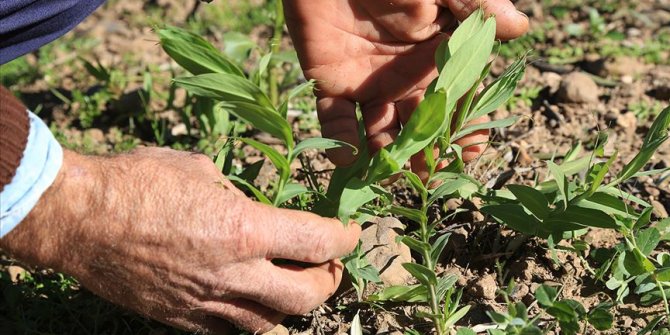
45,236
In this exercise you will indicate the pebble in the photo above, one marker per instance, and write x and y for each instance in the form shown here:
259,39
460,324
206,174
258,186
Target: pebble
578,87
627,121
552,80
485,287
16,273
279,330
659,209
381,250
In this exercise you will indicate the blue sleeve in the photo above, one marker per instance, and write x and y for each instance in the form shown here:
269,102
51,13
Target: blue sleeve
26,25
42,159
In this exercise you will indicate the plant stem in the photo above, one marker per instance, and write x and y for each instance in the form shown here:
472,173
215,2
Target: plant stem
277,36
428,262
663,295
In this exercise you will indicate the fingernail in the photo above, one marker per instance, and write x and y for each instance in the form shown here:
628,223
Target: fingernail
522,13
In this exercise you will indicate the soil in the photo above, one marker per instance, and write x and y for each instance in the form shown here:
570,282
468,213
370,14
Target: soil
577,95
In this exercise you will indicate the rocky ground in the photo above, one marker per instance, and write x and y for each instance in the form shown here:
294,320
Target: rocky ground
594,66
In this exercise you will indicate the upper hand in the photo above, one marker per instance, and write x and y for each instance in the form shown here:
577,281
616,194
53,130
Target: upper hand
379,54
162,233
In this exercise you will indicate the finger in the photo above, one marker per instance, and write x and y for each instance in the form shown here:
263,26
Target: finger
306,237
292,289
245,314
381,125
510,23
338,121
474,144
445,21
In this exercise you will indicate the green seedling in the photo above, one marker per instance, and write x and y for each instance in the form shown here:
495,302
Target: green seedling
463,64
568,314
219,80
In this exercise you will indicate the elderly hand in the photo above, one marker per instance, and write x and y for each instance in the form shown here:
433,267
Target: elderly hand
163,233
380,54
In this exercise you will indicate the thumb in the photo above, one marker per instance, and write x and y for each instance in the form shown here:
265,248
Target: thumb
511,23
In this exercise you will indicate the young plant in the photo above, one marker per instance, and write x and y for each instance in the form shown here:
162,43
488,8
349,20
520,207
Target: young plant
222,81
560,209
463,64
571,316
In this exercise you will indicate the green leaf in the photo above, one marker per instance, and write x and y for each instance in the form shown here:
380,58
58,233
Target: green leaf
237,46
242,98
485,125
585,217
514,216
561,181
428,121
562,311
663,274
275,157
636,263
663,227
464,67
356,194
532,199
448,188
473,24
546,295
414,244
599,171
416,183
607,203
411,293
465,331
651,325
256,192
497,317
321,144
225,87
657,135
290,191
457,315
499,91
438,246
647,240
423,274
251,172
644,219
195,54
409,213
382,166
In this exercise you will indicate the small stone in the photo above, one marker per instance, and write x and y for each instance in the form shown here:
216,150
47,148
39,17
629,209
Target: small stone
384,253
485,287
179,130
627,79
552,80
279,330
16,273
578,87
520,291
453,204
625,66
659,210
95,134
652,191
627,121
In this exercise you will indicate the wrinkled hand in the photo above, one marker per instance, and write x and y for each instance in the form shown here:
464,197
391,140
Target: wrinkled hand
380,54
162,233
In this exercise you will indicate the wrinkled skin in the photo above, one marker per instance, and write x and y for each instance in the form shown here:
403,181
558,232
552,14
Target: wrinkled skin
380,54
162,233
